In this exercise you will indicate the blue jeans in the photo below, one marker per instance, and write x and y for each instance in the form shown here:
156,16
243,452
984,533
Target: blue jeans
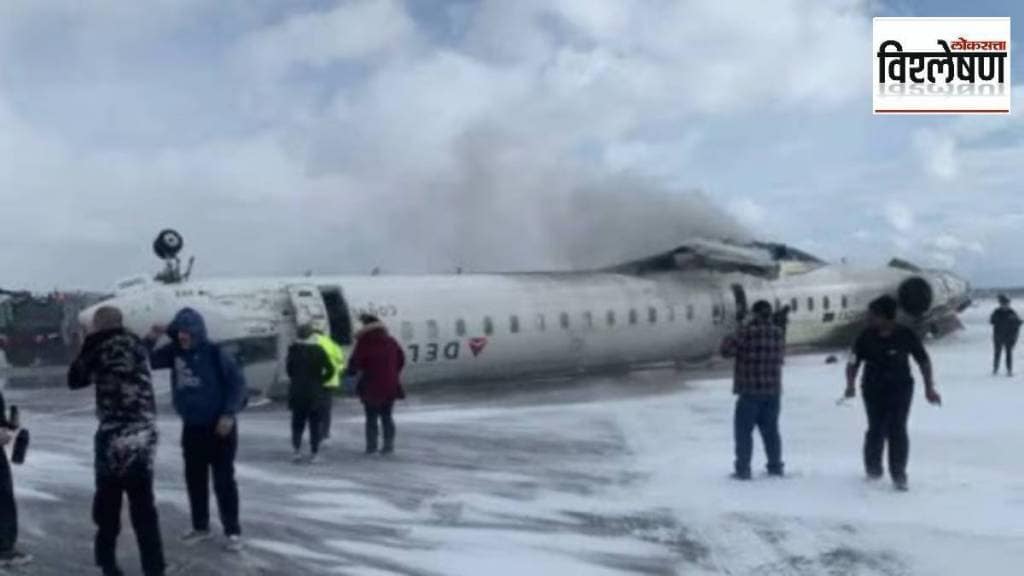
762,411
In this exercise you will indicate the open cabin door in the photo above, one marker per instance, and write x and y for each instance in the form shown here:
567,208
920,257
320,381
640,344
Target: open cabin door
308,306
338,315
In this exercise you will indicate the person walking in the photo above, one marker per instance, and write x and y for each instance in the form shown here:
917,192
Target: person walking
115,361
377,361
208,390
336,355
11,556
884,349
1005,329
759,351
309,369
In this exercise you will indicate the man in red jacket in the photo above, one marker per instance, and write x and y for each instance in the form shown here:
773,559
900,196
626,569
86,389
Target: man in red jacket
377,361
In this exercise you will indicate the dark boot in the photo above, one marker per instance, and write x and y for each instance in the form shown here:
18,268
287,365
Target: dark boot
113,570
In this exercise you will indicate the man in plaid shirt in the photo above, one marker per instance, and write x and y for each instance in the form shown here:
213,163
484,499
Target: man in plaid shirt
759,349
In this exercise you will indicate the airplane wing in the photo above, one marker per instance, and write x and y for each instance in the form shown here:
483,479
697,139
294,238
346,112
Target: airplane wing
759,259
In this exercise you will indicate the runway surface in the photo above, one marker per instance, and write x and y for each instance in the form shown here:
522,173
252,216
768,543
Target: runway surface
606,476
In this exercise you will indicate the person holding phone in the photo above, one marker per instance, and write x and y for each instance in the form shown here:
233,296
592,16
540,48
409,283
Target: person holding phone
10,555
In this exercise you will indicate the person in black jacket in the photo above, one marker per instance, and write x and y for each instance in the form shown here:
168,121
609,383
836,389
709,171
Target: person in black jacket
884,348
309,370
1005,329
117,363
10,555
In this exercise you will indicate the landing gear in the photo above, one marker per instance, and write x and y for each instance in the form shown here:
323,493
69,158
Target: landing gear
167,246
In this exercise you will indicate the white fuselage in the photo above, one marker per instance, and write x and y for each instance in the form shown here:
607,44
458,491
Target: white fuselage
495,326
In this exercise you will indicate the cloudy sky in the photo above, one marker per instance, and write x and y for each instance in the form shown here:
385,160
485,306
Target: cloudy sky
418,135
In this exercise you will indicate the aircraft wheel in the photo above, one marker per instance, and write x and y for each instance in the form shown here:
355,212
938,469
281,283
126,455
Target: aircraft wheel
168,244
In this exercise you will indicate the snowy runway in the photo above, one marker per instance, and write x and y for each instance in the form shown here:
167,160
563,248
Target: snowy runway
609,477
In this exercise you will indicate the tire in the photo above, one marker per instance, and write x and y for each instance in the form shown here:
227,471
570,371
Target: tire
168,244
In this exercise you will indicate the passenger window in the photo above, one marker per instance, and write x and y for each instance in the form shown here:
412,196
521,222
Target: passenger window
845,302
488,326
513,324
632,316
826,303
689,311
793,305
407,331
716,311
460,327
610,317
563,319
540,323
810,304
588,319
652,315
432,332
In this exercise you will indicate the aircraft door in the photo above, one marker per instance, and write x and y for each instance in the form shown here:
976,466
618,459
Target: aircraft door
308,306
338,315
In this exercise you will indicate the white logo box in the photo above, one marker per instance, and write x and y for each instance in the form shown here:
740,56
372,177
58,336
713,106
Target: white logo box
936,78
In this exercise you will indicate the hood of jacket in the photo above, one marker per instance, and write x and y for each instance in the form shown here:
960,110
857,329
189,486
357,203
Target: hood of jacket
191,321
369,329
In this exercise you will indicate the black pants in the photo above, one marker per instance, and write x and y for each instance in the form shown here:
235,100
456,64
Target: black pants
1000,346
8,508
205,451
326,417
314,416
106,513
888,410
375,416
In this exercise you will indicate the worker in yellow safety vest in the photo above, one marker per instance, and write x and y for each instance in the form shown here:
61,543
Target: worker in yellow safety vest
336,354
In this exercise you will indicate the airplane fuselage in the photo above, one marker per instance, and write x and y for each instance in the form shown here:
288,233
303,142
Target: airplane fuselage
471,327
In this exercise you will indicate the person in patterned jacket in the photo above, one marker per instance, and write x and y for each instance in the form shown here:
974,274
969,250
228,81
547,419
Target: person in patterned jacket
116,362
759,349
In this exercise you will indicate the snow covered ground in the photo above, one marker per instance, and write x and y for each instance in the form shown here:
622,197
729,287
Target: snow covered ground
624,476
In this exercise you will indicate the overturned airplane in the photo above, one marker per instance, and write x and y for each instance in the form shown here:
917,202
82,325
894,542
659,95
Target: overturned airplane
669,309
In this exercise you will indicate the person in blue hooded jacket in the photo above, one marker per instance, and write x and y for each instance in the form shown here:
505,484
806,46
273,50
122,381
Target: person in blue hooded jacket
208,391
